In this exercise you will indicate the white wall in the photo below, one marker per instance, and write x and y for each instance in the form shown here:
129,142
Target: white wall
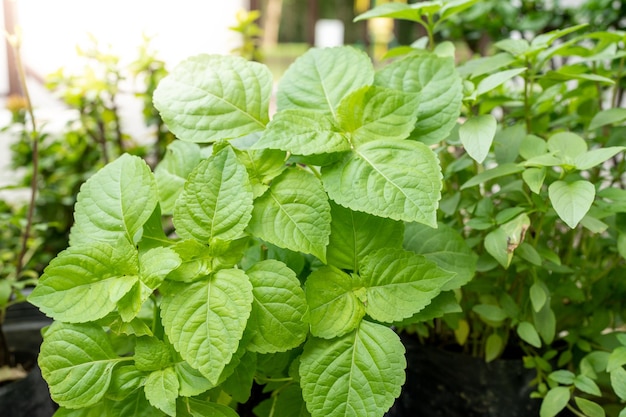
52,28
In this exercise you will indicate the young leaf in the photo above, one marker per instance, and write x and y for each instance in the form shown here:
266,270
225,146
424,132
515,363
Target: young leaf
587,385
77,360
534,178
571,201
590,408
211,97
595,157
607,117
115,202
477,136
374,113
410,280
303,132
161,390
294,214
321,78
412,12
173,170
358,374
617,359
538,296
445,247
400,180
85,283
262,166
618,382
334,304
277,321
526,331
555,400
354,234
490,174
494,80
217,200
438,86
567,146
151,354
205,320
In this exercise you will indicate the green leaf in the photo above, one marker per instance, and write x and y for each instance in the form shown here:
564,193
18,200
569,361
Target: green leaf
358,374
191,382
491,313
239,383
555,400
413,12
303,132
375,113
534,178
590,408
76,361
450,8
151,354
125,379
262,166
526,331
400,180
595,157
193,407
410,280
445,247
491,174
438,87
217,200
321,78
607,117
618,382
161,390
286,402
484,65
334,304
135,405
85,283
155,264
207,98
515,47
205,320
494,80
277,320
587,385
571,201
294,214
173,170
545,323
114,202
567,146
354,234
617,359
477,135
493,347
532,146
502,242
538,296
562,376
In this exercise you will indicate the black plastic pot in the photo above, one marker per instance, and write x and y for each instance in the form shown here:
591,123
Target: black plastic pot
441,383
28,397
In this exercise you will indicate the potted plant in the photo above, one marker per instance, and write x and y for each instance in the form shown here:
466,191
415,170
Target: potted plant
533,185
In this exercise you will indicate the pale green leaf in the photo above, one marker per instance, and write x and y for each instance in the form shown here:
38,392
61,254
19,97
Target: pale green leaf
85,283
477,135
618,382
538,296
534,178
452,7
438,86
205,320
515,47
161,390
413,12
114,202
444,303
277,321
545,323
334,304
151,354
567,146
562,376
294,214
595,157
532,146
410,280
321,78
125,379
490,313
571,201
359,374
445,247
211,97
76,361
155,264
587,385
354,234
490,174
374,113
607,117
590,408
191,381
526,331
484,65
400,180
494,80
217,200
555,400
173,170
617,359
262,166
493,347
303,132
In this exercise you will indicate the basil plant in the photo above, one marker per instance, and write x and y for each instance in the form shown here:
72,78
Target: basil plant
261,252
